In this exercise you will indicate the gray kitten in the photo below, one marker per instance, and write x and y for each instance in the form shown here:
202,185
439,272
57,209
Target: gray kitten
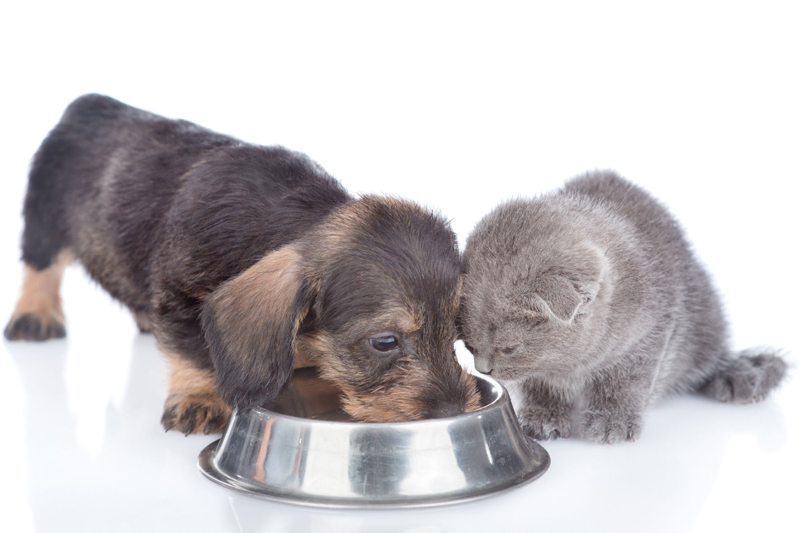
589,303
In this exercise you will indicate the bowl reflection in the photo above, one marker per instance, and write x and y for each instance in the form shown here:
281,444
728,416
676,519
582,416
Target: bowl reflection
303,449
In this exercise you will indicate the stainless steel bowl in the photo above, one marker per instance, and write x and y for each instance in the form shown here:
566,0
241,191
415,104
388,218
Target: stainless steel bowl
304,450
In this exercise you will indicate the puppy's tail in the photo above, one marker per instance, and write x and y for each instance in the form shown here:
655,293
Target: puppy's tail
746,377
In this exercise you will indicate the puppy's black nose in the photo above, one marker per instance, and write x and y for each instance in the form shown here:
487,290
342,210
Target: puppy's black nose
445,410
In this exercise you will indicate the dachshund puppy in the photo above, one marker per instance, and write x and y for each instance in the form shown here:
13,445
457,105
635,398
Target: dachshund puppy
244,261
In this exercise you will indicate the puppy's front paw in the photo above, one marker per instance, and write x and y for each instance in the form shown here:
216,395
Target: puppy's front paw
545,424
606,427
30,327
195,413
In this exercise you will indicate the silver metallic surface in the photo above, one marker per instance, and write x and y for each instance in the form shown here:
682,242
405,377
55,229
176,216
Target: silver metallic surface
305,451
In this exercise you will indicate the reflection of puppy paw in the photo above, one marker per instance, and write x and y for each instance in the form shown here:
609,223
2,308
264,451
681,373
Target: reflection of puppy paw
611,427
195,413
546,424
30,327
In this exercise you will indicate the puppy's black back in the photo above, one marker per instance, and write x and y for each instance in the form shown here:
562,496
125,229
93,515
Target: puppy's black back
144,201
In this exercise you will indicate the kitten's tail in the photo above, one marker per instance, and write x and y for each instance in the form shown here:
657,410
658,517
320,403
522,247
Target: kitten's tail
746,377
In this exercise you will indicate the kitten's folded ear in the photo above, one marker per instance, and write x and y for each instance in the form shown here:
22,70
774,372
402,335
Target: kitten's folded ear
565,293
563,297
250,323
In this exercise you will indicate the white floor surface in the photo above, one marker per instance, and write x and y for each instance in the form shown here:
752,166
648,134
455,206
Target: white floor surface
459,106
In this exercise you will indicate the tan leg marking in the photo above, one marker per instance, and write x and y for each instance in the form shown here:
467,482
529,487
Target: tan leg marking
192,404
38,315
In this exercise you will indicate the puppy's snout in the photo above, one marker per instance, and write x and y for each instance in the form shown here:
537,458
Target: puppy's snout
446,410
453,397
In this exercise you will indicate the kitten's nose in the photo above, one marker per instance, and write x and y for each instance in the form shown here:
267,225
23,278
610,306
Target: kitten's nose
483,365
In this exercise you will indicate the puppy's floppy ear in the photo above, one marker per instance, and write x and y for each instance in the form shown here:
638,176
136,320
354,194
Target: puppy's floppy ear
250,324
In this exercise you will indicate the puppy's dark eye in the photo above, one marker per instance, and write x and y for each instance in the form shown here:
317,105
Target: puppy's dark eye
383,344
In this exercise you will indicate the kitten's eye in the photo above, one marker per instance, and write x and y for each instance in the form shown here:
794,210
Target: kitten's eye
508,350
383,344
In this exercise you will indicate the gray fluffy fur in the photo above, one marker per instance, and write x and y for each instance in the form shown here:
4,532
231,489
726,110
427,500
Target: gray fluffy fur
589,302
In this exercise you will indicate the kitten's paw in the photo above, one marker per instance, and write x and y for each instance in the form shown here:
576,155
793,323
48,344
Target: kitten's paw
195,413
746,379
30,327
610,428
545,424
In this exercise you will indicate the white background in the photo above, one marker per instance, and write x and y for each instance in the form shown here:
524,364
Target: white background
458,106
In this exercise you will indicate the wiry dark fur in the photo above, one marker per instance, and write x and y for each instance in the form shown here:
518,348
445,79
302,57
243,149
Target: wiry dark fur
237,256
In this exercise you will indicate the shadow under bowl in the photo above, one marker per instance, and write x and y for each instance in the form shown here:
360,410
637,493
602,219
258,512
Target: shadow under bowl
303,449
